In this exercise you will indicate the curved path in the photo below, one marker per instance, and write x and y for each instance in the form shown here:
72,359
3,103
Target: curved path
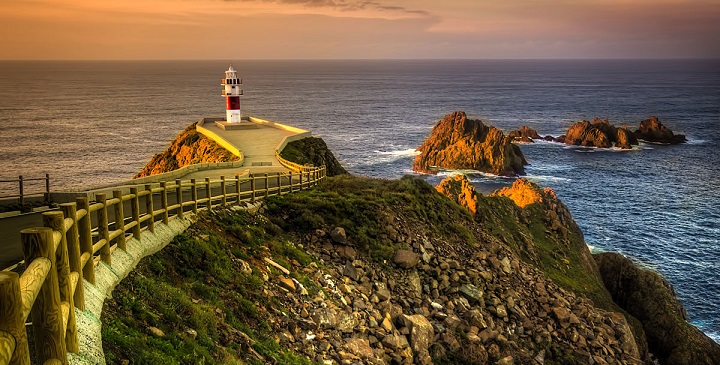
258,145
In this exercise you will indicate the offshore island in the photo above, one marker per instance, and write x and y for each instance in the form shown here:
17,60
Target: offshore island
370,271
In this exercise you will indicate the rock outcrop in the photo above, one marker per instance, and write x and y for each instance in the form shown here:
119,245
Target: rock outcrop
524,134
189,147
457,142
651,130
650,298
313,151
459,189
600,133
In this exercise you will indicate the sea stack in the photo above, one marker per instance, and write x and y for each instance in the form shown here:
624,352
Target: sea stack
458,143
651,130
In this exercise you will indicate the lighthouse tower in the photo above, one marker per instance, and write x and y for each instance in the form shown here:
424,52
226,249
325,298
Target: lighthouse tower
232,93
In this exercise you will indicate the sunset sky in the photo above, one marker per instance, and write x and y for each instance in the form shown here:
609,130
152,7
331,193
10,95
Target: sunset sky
358,29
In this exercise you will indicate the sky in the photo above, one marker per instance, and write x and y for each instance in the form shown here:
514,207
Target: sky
358,29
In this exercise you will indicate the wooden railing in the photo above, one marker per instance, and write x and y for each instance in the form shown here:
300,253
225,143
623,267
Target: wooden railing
80,235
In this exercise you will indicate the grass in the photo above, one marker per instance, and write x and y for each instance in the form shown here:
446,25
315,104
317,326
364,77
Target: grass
194,291
368,210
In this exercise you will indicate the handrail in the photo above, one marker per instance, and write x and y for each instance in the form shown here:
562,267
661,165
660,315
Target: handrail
65,250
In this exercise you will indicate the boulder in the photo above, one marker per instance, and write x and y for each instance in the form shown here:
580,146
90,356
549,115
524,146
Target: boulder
421,332
338,235
524,134
651,130
457,142
359,347
406,259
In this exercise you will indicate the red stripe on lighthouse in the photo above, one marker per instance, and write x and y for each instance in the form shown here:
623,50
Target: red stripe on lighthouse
233,103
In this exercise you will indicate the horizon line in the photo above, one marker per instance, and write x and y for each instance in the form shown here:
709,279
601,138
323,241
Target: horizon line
366,59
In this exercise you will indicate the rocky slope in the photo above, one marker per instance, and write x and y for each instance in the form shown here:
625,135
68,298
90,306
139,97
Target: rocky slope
377,272
457,142
313,151
650,298
189,147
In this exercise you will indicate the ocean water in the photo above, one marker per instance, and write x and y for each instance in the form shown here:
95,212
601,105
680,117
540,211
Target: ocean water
92,122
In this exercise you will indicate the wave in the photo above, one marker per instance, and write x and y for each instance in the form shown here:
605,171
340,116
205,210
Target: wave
400,153
535,178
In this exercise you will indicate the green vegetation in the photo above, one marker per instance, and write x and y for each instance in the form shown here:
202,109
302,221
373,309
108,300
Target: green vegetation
313,151
196,291
371,211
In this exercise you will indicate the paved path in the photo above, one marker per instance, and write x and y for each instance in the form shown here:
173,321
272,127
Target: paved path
257,144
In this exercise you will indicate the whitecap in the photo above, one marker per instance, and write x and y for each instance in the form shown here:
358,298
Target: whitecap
547,178
401,153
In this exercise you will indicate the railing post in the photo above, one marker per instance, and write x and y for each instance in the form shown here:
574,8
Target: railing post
237,188
22,193
47,187
149,209
73,247
56,221
279,184
120,220
193,195
164,203
86,246
11,320
223,191
252,187
179,198
267,186
208,192
103,229
135,211
46,313
301,182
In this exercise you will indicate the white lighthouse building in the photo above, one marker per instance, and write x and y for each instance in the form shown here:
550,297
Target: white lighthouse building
232,93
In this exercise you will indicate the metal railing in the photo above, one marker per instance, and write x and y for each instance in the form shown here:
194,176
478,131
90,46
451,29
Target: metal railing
59,255
22,190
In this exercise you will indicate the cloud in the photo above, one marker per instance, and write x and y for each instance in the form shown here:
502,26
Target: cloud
344,5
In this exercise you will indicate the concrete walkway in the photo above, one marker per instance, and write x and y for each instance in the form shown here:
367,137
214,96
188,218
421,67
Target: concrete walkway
257,144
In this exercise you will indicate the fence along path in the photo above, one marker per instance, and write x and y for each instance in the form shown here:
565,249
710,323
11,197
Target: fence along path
66,250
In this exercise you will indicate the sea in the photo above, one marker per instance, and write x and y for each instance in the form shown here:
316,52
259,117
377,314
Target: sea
92,122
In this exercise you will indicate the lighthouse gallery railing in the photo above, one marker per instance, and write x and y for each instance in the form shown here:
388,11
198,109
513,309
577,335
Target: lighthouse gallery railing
71,243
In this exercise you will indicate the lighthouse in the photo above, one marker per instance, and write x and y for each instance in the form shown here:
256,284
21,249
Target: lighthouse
232,93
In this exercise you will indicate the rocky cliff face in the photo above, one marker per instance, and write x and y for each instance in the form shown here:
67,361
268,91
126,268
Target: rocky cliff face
313,151
652,130
457,142
189,147
650,298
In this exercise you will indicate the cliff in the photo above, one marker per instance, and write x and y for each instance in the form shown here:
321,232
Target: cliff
650,298
313,151
189,147
359,270
457,142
